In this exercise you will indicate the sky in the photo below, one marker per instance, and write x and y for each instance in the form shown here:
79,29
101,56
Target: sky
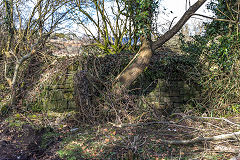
169,9
176,8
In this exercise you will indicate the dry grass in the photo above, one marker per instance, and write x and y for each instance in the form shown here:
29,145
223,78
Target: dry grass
134,141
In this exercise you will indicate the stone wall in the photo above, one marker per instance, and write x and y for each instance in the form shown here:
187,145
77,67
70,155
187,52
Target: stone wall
165,92
171,93
164,84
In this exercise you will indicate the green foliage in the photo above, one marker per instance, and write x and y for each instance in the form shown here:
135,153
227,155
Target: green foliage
226,53
61,35
223,9
141,12
132,19
216,55
48,137
4,109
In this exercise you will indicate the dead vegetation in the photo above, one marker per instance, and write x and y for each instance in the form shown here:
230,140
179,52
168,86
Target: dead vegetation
67,106
117,127
114,126
66,138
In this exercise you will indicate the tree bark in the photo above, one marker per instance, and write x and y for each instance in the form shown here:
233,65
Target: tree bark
135,67
142,59
169,34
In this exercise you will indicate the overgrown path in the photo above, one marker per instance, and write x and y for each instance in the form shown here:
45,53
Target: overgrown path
22,138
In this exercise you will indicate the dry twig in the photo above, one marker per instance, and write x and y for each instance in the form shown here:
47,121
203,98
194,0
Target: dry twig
234,135
149,123
214,118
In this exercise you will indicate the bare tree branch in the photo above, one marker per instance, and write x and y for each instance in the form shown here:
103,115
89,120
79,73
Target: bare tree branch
169,34
215,19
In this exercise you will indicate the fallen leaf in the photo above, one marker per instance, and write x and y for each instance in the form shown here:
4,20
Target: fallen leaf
107,140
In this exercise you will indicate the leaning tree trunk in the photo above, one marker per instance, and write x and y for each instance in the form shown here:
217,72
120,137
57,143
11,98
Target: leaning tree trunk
135,67
142,59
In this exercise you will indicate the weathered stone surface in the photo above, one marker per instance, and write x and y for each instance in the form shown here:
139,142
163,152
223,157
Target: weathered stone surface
177,105
164,94
180,84
182,92
176,99
167,99
172,93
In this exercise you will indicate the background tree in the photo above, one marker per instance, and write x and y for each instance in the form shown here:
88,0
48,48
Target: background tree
142,58
28,27
216,53
110,23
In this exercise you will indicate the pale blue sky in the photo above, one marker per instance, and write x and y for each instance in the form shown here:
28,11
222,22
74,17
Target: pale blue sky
178,8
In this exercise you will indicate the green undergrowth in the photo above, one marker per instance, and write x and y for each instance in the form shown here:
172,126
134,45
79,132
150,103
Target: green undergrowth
54,109
105,141
57,93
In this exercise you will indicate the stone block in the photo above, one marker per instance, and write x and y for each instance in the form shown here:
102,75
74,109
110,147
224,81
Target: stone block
173,84
176,99
167,99
177,105
174,93
172,88
182,92
164,89
164,94
180,84
161,83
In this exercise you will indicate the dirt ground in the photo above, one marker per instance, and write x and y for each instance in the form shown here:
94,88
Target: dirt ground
25,143
22,141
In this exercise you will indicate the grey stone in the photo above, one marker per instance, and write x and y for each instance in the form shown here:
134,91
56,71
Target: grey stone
167,99
176,105
174,93
164,94
176,99
180,84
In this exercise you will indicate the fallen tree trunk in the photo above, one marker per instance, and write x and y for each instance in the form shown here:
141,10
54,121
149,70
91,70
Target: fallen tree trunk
234,135
142,59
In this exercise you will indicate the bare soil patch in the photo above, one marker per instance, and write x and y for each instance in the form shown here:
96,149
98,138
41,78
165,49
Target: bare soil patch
26,143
